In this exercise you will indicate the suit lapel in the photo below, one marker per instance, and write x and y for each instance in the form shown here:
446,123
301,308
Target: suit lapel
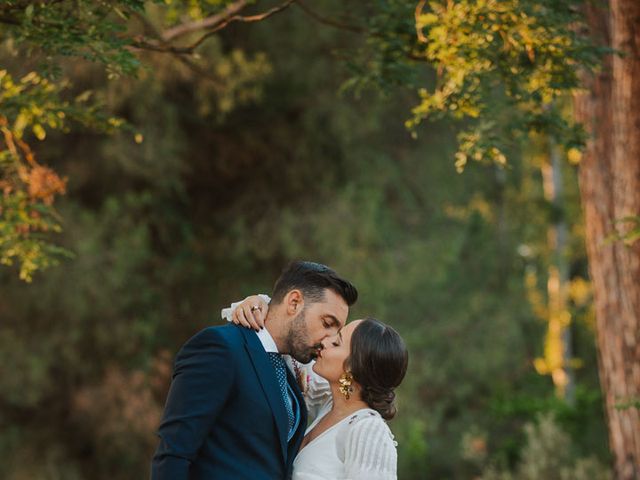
267,377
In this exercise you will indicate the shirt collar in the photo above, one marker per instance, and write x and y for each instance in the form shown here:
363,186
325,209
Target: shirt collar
267,341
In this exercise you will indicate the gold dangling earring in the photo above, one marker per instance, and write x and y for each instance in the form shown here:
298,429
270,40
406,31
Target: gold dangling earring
345,384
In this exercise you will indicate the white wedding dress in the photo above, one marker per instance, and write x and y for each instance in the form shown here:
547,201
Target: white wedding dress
359,447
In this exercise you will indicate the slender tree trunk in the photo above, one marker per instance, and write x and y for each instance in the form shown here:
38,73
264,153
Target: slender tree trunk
558,346
610,190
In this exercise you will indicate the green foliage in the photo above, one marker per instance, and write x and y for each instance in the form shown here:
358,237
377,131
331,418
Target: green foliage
31,102
22,236
106,34
548,455
387,59
504,67
85,29
34,105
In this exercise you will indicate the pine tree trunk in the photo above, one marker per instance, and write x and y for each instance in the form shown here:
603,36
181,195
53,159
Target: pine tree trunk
610,190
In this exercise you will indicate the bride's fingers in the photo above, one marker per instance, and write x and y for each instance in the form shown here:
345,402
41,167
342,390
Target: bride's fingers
258,315
248,314
238,318
241,318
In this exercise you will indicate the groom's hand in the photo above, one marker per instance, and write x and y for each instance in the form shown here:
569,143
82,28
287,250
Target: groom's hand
251,313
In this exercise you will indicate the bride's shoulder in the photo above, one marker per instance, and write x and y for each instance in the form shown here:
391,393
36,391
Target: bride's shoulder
366,427
366,414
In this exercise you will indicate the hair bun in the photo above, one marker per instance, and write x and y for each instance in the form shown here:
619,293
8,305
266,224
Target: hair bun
382,400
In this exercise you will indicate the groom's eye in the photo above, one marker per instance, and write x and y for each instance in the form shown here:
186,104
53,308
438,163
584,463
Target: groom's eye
330,322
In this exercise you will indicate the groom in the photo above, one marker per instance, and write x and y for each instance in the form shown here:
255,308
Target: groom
234,410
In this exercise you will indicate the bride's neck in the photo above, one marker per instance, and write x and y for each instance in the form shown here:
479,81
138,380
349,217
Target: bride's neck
342,406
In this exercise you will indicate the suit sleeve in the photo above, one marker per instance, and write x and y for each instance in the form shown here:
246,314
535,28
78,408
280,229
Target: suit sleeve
202,380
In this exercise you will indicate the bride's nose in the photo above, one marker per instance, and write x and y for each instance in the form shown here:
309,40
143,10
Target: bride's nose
327,342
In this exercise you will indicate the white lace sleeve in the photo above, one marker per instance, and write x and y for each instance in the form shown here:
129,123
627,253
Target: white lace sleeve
227,313
367,448
316,390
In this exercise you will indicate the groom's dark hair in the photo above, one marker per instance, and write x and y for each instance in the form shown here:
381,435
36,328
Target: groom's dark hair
312,279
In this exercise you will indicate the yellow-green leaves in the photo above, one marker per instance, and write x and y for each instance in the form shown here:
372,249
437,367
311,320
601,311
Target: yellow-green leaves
28,189
22,225
31,102
502,62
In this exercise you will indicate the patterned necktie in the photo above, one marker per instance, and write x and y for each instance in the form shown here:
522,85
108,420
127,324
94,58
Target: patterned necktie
281,375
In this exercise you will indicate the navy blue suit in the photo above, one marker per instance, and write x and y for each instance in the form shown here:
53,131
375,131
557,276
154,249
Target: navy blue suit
225,417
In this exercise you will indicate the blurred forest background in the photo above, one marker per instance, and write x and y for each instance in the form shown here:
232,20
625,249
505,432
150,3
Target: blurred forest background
179,182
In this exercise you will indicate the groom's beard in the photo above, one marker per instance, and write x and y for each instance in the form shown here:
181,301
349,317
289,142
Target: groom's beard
297,340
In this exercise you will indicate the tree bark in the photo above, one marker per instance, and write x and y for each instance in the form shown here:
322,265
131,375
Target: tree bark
610,190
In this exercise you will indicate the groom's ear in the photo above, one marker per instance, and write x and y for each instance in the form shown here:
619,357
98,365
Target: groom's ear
294,302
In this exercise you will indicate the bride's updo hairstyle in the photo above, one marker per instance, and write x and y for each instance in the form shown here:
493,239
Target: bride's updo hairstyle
378,362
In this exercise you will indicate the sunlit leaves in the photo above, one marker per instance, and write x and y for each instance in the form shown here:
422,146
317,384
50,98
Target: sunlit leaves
503,64
22,235
502,68
27,189
31,106
31,102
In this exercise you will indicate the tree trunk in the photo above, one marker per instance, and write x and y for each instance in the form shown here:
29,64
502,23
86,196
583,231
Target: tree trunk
610,190
558,344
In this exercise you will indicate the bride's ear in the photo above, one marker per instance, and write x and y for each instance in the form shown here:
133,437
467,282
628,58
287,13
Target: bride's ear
294,302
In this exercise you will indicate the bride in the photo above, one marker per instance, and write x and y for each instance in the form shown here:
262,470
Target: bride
349,392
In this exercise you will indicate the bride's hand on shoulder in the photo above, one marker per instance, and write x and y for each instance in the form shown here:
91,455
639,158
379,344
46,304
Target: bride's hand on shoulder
251,312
